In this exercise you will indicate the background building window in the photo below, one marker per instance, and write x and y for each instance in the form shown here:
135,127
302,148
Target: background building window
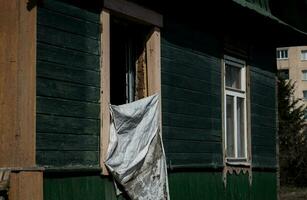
304,72
283,73
282,54
235,109
304,55
305,94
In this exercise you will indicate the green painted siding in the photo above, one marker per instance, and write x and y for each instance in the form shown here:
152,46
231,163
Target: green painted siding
63,187
263,117
209,185
191,96
68,85
183,186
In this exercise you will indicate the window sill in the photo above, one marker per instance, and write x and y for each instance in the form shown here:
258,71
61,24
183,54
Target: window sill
237,162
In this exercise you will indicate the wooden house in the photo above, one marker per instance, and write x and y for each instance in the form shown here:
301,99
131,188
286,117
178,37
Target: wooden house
213,63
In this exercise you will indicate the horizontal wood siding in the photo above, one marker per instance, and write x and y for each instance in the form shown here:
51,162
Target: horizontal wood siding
68,85
191,96
263,109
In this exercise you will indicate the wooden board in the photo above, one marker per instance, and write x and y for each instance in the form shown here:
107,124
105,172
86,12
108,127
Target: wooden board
26,186
105,87
17,83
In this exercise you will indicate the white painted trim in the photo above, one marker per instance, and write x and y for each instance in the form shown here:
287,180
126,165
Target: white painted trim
236,94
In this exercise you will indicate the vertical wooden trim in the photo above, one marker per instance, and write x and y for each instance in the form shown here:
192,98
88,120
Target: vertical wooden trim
17,83
105,88
154,62
26,186
153,57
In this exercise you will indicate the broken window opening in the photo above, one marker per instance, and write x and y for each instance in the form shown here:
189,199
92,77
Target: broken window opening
128,68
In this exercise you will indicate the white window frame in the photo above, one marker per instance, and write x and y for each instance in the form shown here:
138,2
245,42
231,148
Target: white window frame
280,54
303,55
236,93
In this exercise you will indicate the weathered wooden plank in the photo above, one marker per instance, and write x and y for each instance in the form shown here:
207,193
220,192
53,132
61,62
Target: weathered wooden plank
183,82
67,23
66,90
204,72
190,58
67,57
17,83
67,40
182,133
61,107
73,11
68,158
105,87
66,73
61,124
176,146
66,142
26,186
177,120
188,108
182,94
195,160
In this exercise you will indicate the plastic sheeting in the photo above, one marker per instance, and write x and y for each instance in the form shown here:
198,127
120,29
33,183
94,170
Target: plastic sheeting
136,156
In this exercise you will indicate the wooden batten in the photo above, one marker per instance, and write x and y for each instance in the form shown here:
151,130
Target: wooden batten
105,88
17,83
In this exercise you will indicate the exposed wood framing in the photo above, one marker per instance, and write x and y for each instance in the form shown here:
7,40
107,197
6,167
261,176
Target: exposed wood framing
105,88
134,11
154,62
17,83
26,186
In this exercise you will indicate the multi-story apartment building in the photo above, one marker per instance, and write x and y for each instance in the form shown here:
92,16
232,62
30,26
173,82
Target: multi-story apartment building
292,64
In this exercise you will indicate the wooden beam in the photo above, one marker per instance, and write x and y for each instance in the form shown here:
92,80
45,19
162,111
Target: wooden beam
17,83
26,186
134,11
105,88
154,62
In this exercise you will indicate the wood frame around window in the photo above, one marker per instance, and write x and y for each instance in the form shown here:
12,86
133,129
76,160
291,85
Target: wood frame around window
247,112
153,55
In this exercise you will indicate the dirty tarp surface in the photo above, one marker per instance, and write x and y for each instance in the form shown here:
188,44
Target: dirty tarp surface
136,156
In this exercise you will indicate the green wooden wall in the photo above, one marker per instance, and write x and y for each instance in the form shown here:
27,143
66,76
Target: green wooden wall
183,186
191,96
263,117
68,85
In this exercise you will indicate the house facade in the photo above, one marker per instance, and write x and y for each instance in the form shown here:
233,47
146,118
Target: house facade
63,62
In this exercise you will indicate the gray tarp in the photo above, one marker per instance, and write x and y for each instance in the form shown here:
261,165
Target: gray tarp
136,156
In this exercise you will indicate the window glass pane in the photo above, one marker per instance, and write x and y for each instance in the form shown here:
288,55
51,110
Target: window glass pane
230,126
240,127
233,77
283,73
304,55
305,94
304,75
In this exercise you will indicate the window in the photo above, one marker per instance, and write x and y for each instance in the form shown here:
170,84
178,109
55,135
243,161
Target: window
305,94
304,55
304,72
282,54
235,110
283,73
